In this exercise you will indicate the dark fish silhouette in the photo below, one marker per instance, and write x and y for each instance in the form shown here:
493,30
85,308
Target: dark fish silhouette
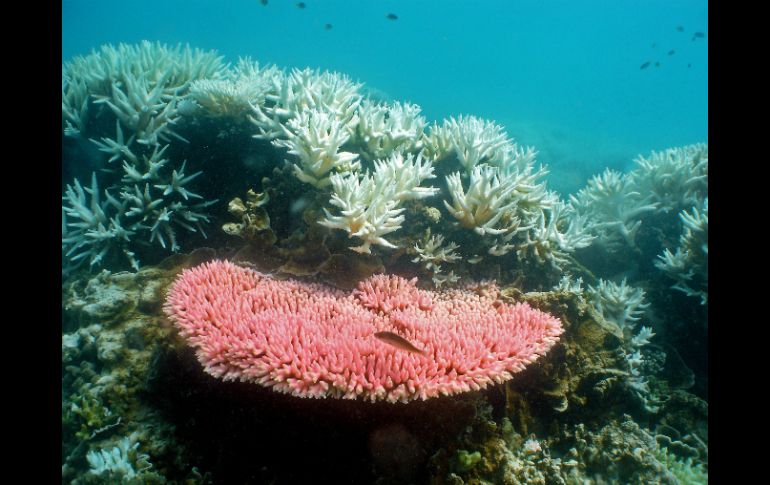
645,65
398,342
301,5
391,16
698,35
263,2
679,28
654,45
328,26
689,64
657,64
671,52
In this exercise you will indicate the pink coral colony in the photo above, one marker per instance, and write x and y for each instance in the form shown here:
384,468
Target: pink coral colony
311,340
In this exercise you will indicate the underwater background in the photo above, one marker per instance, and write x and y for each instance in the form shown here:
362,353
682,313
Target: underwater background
384,242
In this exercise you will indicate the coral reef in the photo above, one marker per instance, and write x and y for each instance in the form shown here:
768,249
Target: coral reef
543,329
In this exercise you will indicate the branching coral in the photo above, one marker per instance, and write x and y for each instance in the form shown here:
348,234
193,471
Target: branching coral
553,236
688,266
471,140
432,254
487,200
611,207
303,90
141,85
91,233
315,138
675,179
620,304
385,128
121,464
246,85
369,204
91,229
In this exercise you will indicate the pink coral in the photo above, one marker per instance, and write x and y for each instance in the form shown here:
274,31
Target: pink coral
315,341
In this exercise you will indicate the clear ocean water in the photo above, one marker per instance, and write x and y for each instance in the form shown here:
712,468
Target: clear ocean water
563,76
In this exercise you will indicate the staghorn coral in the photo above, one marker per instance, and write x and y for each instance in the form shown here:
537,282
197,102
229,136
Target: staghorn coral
553,237
92,229
432,254
369,204
138,88
468,341
620,304
485,203
688,266
471,140
315,137
140,84
385,128
675,179
303,90
120,464
246,84
611,208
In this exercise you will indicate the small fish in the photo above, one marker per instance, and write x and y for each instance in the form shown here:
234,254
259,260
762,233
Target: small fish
671,52
657,64
391,16
398,342
679,28
698,35
328,26
263,2
301,5
645,65
654,45
689,64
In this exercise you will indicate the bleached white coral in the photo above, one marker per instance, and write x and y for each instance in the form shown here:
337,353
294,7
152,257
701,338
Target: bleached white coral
472,140
675,179
611,208
140,84
688,265
568,285
433,253
553,236
440,279
90,233
120,464
248,84
637,363
315,138
485,203
642,338
369,204
385,128
303,90
92,228
620,304
74,105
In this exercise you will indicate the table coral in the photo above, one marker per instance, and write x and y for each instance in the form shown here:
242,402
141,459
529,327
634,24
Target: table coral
315,341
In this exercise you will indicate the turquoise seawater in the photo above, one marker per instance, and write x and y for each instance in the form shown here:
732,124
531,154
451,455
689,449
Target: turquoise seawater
563,76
